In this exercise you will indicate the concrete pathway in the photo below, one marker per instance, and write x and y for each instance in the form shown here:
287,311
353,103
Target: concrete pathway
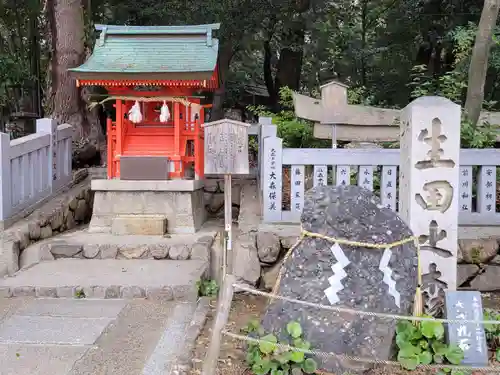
98,337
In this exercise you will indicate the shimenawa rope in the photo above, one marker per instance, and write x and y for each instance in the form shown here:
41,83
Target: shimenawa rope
417,316
418,305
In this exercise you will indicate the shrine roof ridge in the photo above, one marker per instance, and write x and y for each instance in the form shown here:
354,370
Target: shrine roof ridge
226,120
167,52
158,30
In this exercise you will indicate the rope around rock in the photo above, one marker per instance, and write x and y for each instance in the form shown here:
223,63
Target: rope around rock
373,361
304,233
418,305
359,312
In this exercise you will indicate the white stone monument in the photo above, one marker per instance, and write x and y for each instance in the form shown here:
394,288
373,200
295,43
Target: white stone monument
428,191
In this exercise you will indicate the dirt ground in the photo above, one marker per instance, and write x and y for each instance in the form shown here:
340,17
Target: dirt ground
232,354
248,307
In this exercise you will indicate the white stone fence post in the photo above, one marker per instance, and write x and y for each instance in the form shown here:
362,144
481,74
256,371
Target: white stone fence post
34,168
266,129
429,190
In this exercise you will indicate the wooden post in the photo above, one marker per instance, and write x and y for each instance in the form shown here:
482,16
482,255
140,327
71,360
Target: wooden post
228,221
334,136
198,152
223,309
177,137
119,135
109,135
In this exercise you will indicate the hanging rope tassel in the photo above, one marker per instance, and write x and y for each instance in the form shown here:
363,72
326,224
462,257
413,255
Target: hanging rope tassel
135,114
164,112
418,303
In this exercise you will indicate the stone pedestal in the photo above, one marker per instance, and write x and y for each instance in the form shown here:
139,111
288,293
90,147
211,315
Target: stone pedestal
125,207
428,190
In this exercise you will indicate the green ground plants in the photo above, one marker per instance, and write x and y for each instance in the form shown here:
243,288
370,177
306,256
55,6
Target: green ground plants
492,332
207,288
267,357
424,344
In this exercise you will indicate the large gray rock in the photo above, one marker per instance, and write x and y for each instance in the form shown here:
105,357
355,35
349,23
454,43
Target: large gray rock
202,248
34,231
23,237
179,252
488,281
62,249
465,272
81,210
477,251
35,254
46,232
268,245
355,214
246,265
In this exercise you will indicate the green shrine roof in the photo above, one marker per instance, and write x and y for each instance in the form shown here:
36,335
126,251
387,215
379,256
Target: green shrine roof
152,50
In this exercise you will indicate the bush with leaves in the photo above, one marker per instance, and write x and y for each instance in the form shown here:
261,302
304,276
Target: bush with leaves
493,332
207,288
267,357
295,132
424,344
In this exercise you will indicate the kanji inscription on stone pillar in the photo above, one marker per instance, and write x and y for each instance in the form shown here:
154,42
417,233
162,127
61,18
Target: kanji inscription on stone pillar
429,191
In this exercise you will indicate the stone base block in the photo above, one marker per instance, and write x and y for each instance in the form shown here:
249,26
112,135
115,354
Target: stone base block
139,224
179,202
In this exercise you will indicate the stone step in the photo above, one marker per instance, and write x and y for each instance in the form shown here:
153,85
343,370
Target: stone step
82,244
108,278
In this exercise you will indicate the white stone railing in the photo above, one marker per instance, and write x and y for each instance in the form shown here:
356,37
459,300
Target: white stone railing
478,171
34,168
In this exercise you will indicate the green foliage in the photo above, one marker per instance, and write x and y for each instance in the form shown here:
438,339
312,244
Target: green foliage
296,133
424,344
493,331
267,357
452,85
207,288
471,136
79,294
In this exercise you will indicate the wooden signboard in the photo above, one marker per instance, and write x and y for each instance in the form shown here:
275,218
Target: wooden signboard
226,152
226,147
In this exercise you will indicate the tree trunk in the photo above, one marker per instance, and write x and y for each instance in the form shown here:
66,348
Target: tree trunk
479,60
225,56
290,61
268,75
68,51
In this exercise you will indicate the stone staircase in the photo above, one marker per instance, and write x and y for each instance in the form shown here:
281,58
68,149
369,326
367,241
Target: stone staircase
101,265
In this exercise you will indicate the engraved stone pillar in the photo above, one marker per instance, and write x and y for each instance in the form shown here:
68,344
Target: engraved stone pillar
428,191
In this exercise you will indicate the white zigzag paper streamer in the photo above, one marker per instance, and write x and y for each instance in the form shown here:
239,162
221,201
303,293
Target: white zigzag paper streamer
384,267
338,274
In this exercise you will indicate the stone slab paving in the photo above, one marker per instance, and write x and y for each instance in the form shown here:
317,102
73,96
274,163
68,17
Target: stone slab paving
104,337
38,360
126,345
52,330
44,336
169,345
108,278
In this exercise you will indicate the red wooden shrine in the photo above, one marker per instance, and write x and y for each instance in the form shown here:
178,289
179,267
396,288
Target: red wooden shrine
181,138
139,64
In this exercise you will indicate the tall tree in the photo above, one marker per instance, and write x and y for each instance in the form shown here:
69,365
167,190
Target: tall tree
66,23
479,60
